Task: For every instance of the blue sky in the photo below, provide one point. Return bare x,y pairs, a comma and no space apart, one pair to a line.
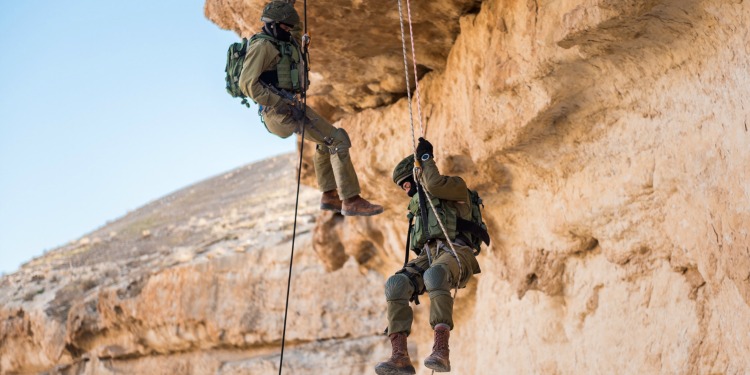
105,106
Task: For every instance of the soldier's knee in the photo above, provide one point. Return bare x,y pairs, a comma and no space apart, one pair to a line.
398,287
436,279
340,141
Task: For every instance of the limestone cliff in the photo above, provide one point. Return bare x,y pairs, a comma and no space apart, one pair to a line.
609,140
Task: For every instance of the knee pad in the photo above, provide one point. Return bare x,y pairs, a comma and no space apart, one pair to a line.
340,141
436,278
398,287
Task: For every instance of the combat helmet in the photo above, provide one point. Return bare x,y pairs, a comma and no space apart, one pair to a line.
403,170
280,11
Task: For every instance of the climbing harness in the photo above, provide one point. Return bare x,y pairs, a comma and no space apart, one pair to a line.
417,164
306,57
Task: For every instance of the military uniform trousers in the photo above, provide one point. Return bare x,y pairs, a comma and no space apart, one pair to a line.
437,279
333,164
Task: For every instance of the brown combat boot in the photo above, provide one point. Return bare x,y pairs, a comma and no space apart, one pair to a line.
399,363
330,201
439,360
358,206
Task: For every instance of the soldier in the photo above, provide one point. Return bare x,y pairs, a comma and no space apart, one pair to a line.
273,61
435,270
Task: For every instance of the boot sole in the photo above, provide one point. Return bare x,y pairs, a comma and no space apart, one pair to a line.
438,367
329,207
371,213
388,370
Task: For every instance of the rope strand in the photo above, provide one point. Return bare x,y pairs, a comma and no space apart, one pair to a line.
299,176
294,236
406,77
417,175
422,128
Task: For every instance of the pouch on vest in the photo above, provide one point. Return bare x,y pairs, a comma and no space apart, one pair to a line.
287,75
447,213
473,229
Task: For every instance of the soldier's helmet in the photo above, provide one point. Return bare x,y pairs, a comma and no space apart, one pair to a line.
403,170
280,11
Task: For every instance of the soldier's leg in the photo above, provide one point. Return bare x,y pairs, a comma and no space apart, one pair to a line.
337,142
444,274
285,125
398,290
277,123
335,169
323,169
437,280
441,278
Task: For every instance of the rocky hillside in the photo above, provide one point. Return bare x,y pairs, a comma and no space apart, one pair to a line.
193,283
609,140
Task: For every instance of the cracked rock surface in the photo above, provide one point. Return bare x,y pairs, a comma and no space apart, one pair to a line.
609,140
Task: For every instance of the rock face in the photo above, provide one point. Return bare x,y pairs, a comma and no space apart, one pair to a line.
609,140
356,57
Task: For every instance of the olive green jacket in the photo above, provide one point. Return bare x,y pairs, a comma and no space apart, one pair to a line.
450,197
451,188
261,56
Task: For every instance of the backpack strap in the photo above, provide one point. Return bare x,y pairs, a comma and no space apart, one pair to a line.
468,226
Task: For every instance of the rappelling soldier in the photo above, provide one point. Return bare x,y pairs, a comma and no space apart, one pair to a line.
274,67
436,269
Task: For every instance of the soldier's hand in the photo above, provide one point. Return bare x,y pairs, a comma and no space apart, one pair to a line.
289,109
283,109
424,147
297,113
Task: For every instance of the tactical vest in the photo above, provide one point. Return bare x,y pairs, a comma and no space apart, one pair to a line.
448,213
460,219
287,74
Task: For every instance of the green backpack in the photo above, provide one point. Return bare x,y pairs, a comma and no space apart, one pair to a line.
235,59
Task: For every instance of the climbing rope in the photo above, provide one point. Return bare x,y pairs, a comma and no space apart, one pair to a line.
416,77
417,164
306,56
406,77
417,169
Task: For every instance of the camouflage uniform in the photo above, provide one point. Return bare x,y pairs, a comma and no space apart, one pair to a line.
435,270
333,164
443,274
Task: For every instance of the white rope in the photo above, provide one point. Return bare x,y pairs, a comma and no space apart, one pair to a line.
406,76
417,174
416,77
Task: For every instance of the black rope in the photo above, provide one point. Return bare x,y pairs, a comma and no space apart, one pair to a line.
296,201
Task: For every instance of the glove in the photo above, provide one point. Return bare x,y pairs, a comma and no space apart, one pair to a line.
424,147
297,113
288,109
282,109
